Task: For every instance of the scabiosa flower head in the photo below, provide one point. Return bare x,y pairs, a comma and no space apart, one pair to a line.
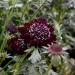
55,49
17,45
39,32
11,28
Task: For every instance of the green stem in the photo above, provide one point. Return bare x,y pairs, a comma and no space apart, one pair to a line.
9,14
6,65
46,73
18,64
5,39
4,42
17,69
36,12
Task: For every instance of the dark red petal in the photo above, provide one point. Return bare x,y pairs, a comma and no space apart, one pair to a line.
17,45
51,28
38,32
24,28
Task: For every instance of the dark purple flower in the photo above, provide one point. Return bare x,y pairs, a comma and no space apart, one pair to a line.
17,45
38,32
11,28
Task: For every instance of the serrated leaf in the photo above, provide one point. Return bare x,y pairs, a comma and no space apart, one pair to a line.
35,56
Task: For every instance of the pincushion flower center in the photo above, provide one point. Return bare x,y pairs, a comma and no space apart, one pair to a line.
20,43
39,31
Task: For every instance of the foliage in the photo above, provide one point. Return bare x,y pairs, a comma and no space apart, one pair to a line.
37,60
